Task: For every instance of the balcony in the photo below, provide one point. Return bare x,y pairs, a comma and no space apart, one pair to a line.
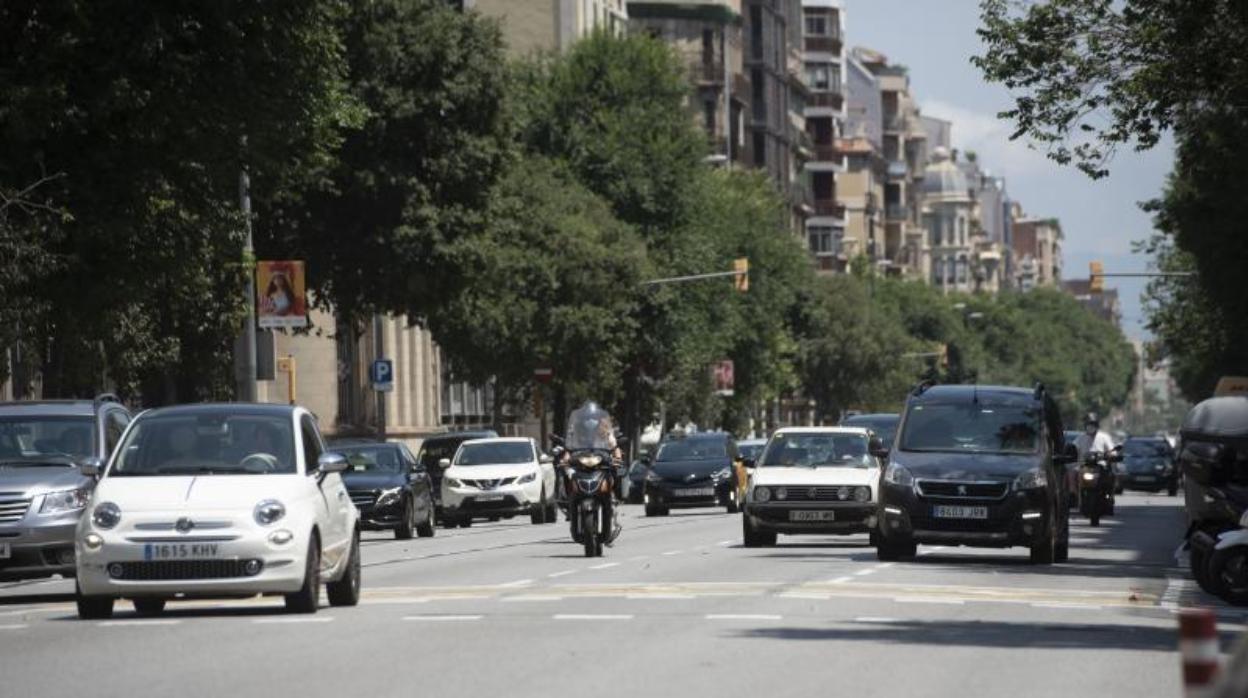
896,212
830,208
824,44
897,170
707,73
833,100
827,152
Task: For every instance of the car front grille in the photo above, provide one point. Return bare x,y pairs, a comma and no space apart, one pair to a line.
842,493
363,498
955,489
162,570
13,506
489,484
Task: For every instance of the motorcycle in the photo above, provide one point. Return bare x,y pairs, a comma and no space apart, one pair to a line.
590,474
1096,485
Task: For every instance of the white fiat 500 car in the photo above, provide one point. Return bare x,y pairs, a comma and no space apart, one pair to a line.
502,477
813,480
218,500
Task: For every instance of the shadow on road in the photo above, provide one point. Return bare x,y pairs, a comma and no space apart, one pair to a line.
19,599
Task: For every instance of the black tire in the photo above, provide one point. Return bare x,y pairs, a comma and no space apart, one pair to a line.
427,528
1094,519
1173,490
346,590
404,530
1062,552
652,510
93,607
308,598
148,606
1044,551
892,551
589,534
552,513
1227,572
749,534
465,522
538,516
1108,509
492,519
1199,561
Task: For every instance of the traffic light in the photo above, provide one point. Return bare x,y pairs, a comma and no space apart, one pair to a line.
943,359
1096,278
741,281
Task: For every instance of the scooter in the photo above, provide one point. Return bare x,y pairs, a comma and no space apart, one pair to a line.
1096,485
1219,559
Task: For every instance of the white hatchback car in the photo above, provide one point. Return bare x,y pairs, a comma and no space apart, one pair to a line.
500,477
813,480
218,500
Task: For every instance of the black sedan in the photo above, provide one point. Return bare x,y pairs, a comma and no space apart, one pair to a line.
882,424
1148,463
390,487
690,471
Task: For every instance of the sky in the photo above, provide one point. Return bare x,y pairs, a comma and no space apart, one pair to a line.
935,39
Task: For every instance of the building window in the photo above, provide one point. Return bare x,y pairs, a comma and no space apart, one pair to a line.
760,149
962,271
708,114
950,270
938,272
818,76
816,25
708,47
824,239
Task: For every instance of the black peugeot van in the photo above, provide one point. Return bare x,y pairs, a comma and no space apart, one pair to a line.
979,466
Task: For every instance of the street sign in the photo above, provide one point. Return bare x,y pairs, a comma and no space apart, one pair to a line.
543,375
724,378
381,374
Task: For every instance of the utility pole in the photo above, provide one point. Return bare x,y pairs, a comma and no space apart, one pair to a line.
247,387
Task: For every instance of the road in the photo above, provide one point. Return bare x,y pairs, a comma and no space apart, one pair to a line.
677,606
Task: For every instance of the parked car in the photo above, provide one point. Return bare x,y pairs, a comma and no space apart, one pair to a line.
980,466
1149,465
883,425
813,480
216,500
390,487
435,449
692,470
42,491
498,477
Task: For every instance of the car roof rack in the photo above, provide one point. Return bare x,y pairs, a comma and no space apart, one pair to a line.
922,387
105,397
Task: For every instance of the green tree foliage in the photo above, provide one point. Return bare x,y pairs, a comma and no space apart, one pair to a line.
139,113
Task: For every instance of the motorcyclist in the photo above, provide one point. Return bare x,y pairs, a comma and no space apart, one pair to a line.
1092,440
596,424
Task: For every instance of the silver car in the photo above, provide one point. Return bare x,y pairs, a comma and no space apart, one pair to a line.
42,492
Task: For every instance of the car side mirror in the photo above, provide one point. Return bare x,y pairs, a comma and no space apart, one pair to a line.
91,467
748,463
444,463
331,463
877,448
546,459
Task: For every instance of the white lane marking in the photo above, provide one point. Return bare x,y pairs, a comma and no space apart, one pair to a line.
14,626
743,616
647,597
593,616
885,566
605,565
1173,594
725,543
1079,606
283,621
25,611
561,574
673,552
880,620
442,618
861,573
841,580
804,595
531,598
928,599
136,623
517,583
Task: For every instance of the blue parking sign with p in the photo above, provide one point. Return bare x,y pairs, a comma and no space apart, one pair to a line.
382,375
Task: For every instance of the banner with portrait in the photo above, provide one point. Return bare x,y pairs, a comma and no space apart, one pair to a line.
281,294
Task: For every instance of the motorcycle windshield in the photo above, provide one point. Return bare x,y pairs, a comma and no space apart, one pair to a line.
590,429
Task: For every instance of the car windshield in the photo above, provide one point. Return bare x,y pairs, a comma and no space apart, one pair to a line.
816,450
379,458
212,443
495,453
884,427
1146,449
972,427
692,449
750,451
45,440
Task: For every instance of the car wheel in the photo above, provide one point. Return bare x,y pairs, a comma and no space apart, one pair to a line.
308,598
1199,562
404,529
538,516
732,502
652,510
1174,490
92,607
552,513
346,591
465,522
749,534
428,528
148,606
1044,551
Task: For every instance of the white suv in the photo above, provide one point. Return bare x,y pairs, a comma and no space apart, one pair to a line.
812,480
495,478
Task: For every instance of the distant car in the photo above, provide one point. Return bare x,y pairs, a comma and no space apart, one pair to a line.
883,425
691,471
435,449
498,477
1149,465
42,492
219,500
748,453
812,480
390,487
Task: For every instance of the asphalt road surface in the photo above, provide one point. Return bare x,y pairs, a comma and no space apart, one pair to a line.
678,607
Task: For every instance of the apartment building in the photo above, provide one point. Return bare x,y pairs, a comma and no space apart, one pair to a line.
544,25
823,71
860,188
1037,252
709,35
959,253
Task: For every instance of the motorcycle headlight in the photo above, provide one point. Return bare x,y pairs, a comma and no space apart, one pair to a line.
1088,475
388,497
897,474
1030,480
106,515
526,479
268,511
65,500
762,494
589,461
452,482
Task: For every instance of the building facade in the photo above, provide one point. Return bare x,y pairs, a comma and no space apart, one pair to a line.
823,71
545,25
1037,252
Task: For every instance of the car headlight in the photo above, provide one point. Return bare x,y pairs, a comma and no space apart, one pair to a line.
652,476
863,494
589,461
1030,480
526,479
897,474
389,496
721,474
106,515
65,500
1160,467
268,511
762,494
452,482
